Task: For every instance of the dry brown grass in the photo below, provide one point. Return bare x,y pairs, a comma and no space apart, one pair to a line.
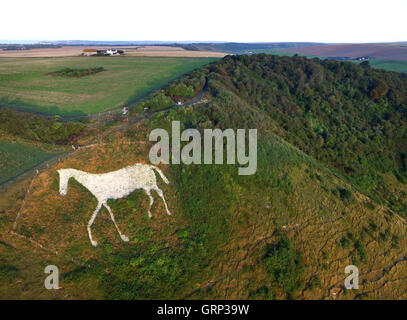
60,223
133,51
315,221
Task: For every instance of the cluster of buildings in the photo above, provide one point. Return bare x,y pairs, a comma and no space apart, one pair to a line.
364,58
101,52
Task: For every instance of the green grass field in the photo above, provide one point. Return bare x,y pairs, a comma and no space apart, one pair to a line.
399,66
16,158
25,85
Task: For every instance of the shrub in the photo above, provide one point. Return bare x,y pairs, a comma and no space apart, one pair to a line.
284,266
346,195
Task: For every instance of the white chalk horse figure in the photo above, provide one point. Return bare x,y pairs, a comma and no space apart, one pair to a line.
114,185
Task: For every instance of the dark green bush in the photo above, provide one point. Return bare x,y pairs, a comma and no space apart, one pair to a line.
284,266
76,73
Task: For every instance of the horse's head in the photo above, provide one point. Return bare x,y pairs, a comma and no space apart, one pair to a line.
63,181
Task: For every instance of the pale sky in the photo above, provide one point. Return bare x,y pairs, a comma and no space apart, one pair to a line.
205,20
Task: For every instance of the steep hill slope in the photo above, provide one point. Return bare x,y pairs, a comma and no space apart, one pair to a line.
288,231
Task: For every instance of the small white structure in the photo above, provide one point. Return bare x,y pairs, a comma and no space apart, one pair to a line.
114,185
125,111
93,52
111,52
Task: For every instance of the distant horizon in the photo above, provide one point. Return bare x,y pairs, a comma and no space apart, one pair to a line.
321,21
22,41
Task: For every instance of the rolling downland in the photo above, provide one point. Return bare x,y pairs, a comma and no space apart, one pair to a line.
329,191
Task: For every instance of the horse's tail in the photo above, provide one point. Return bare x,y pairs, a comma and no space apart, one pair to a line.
161,174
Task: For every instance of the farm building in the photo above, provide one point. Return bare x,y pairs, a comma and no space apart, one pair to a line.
92,52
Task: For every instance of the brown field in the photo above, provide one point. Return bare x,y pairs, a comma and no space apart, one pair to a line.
133,51
393,51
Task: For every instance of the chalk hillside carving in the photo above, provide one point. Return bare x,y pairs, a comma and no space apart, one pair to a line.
114,185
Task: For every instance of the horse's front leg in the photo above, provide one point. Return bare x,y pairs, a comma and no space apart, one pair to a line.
124,238
92,219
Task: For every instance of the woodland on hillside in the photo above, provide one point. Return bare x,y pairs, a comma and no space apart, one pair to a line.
351,117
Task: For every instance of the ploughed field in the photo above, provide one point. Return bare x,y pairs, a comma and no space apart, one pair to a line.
143,51
25,83
382,51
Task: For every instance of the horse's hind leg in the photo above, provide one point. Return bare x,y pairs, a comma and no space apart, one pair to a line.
160,193
92,219
151,201
124,238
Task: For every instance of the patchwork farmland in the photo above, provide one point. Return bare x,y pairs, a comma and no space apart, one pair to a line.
24,83
134,51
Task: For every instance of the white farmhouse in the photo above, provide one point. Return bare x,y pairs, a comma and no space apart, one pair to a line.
112,52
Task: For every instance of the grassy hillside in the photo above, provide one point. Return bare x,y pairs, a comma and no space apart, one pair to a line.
225,239
16,158
314,206
38,128
350,117
24,82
